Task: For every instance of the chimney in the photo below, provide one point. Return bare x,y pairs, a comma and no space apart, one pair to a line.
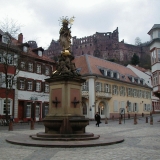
20,38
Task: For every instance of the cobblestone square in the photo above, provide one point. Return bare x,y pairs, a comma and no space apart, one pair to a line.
142,142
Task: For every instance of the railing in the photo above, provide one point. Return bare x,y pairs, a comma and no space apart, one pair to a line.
85,94
106,95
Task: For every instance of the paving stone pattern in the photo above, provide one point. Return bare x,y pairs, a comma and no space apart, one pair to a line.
142,142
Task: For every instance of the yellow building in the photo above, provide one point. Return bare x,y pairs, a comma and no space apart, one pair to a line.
111,88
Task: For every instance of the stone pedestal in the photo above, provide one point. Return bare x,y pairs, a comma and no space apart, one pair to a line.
65,108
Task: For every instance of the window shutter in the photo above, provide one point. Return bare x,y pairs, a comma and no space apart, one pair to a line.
109,88
42,86
26,84
33,110
117,90
143,107
25,109
137,107
35,67
18,83
43,69
34,85
113,89
43,110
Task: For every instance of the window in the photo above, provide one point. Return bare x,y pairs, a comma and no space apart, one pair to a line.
30,85
155,79
38,68
122,91
46,88
28,110
85,86
10,59
22,84
115,89
9,81
98,86
114,75
135,107
129,106
102,71
38,86
30,67
115,106
107,88
5,39
46,70
23,65
154,56
109,73
7,107
40,53
149,107
134,93
130,91
145,107
140,94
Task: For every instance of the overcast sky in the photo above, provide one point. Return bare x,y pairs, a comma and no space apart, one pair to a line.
39,18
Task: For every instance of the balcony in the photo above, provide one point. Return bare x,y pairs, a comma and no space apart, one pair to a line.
85,94
106,95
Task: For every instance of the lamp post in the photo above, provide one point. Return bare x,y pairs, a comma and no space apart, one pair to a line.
33,99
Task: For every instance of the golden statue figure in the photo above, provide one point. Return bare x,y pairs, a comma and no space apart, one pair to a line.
65,35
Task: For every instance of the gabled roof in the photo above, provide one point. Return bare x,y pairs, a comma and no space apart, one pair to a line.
91,65
139,68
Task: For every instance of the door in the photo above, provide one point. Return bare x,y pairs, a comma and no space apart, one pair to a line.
37,114
101,109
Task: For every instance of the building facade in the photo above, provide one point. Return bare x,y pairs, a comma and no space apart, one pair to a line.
30,98
155,62
147,76
110,87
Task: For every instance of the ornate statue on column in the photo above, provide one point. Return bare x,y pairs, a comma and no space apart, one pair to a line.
65,65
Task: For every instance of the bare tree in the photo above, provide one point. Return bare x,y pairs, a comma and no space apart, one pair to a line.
137,41
9,60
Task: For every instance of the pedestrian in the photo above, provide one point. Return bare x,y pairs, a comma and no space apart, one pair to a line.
98,119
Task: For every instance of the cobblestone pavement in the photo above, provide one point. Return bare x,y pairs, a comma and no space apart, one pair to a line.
142,142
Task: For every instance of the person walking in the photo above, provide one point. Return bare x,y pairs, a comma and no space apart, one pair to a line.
98,119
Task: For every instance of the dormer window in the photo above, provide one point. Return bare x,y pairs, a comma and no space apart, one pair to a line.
102,71
115,75
40,53
109,73
25,49
5,38
130,78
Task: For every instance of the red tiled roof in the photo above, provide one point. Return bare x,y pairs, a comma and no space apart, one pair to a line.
90,65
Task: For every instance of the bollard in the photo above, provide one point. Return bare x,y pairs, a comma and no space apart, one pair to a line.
106,121
120,120
10,126
32,125
146,119
135,119
128,116
151,120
